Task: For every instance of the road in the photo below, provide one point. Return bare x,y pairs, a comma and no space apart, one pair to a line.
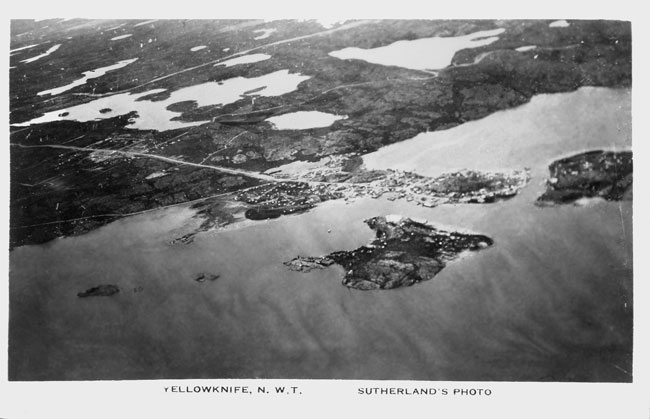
154,156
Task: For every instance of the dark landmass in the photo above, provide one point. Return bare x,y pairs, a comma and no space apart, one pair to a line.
204,276
99,291
603,174
102,188
404,253
343,177
58,192
281,198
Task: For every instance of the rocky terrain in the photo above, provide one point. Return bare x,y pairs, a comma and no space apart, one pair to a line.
68,177
603,174
404,253
345,177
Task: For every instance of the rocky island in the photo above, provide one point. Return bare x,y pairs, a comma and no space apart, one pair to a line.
99,291
404,253
593,174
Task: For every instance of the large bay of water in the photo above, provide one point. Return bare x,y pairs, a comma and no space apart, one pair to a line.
551,300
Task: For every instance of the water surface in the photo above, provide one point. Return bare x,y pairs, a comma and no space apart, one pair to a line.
420,54
244,59
531,135
13,51
551,300
265,33
45,54
304,120
526,48
558,24
145,23
87,75
155,115
117,38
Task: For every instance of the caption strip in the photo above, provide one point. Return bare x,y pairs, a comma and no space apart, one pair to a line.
365,391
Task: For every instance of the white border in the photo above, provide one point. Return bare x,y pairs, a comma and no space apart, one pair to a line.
323,398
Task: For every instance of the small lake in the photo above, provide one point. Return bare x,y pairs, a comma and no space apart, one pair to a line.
265,33
245,59
14,51
559,24
45,54
420,54
88,75
117,38
115,27
526,48
304,120
147,22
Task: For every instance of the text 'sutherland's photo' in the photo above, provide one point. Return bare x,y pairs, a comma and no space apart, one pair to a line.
427,200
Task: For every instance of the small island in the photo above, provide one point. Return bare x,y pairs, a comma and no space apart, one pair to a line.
603,174
404,253
99,291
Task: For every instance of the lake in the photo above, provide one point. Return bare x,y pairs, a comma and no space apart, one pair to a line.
304,120
420,54
39,56
156,115
244,59
550,301
87,75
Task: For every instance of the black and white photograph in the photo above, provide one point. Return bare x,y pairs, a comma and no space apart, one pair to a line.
235,200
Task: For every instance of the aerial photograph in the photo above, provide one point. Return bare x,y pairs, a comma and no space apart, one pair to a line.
378,199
